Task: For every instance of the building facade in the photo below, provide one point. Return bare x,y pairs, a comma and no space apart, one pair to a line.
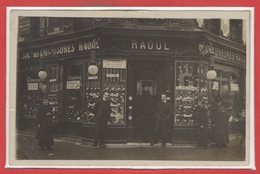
135,60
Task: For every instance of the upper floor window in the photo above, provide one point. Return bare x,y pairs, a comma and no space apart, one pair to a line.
58,25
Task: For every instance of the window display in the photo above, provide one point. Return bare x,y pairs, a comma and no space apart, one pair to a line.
73,91
92,92
55,73
191,86
32,94
114,82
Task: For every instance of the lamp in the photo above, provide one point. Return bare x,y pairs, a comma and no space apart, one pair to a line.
42,75
92,69
211,74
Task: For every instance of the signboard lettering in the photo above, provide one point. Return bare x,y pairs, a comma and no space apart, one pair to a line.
149,45
64,49
75,84
52,51
112,75
33,86
116,64
89,45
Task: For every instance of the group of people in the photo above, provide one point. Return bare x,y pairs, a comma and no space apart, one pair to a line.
218,115
219,122
164,111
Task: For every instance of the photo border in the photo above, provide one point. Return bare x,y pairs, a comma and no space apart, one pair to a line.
251,70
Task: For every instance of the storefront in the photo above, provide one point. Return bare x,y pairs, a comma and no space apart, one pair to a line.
135,67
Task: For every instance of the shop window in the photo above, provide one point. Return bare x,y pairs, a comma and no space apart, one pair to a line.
73,90
114,82
228,87
92,92
191,86
31,95
55,75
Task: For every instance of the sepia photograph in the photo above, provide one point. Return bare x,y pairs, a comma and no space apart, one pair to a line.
125,88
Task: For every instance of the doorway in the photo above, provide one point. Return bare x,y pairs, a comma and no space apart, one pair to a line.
150,80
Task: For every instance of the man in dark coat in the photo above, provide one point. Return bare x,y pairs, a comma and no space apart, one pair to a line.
102,111
201,118
163,114
44,120
220,124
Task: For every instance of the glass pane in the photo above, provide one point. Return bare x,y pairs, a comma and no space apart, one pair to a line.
92,92
187,91
73,85
114,82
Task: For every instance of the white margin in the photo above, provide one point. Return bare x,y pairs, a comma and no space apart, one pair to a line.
252,90
252,101
7,69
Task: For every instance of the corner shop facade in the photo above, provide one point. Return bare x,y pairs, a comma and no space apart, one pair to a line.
135,67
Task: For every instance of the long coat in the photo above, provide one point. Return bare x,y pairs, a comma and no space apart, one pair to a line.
163,115
220,120
45,133
102,111
201,118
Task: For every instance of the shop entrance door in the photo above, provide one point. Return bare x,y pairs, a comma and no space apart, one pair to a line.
150,81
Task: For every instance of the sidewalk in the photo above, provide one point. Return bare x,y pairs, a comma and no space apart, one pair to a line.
74,149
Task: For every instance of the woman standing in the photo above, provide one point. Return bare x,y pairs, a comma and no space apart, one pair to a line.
45,135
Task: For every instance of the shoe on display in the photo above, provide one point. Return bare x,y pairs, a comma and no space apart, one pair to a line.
103,146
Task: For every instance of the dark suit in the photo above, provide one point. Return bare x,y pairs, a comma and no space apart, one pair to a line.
102,111
201,117
45,134
163,115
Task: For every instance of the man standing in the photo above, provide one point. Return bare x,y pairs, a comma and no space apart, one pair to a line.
163,114
201,117
102,111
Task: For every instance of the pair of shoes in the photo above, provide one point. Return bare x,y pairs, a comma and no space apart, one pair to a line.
48,148
103,146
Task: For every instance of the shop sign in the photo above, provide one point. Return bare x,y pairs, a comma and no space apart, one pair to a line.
63,49
74,84
55,51
89,45
115,64
28,79
53,80
33,86
92,77
215,86
157,45
74,77
112,75
234,87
